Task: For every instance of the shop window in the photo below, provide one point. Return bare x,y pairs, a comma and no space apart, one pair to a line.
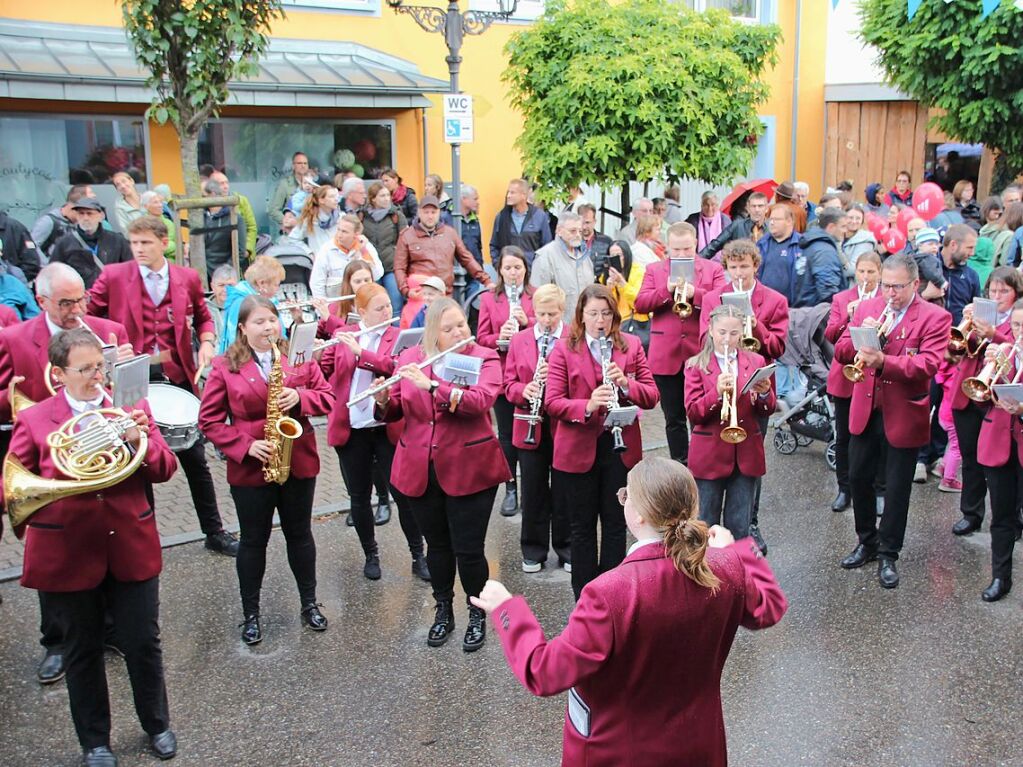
525,10
746,10
367,6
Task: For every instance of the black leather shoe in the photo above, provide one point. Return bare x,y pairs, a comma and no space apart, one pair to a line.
879,502
51,669
476,631
859,557
841,502
164,744
510,504
383,514
372,567
350,521
420,568
999,588
887,573
965,526
758,539
443,624
223,543
101,756
313,618
252,632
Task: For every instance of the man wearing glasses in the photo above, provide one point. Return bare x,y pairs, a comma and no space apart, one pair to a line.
61,294
890,408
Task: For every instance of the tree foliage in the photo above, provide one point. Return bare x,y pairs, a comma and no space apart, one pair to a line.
948,57
637,90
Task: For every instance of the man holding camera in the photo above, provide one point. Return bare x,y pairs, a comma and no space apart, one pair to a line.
563,262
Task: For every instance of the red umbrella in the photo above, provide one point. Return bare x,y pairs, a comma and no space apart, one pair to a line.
762,185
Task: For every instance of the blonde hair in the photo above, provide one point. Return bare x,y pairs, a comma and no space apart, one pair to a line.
431,326
702,359
666,498
264,268
647,225
550,294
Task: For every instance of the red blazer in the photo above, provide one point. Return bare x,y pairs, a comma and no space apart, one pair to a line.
571,379
462,446
646,707
710,457
494,312
241,397
338,365
838,321
24,352
117,295
521,362
911,358
8,316
770,308
673,341
72,544
970,366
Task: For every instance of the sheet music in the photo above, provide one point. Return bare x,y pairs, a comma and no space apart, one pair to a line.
130,381
406,340
864,338
1013,391
985,310
759,375
682,270
300,345
739,300
461,369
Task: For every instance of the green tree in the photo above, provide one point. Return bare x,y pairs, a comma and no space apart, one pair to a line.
968,68
639,90
192,49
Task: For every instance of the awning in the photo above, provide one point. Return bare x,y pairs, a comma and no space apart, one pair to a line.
66,62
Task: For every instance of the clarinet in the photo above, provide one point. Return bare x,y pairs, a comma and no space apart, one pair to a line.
605,364
536,404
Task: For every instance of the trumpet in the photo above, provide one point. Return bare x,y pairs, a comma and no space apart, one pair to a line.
959,338
749,342
733,434
374,390
979,387
536,405
855,372
681,305
335,341
287,306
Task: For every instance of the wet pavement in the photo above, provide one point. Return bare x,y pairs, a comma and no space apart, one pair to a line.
923,675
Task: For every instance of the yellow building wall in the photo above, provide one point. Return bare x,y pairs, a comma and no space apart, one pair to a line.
491,160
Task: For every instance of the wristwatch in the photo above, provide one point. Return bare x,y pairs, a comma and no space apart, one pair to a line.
434,385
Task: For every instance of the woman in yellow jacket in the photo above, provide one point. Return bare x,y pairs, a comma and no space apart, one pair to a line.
626,281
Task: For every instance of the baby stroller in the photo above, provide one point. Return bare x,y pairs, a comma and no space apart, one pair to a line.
811,418
297,260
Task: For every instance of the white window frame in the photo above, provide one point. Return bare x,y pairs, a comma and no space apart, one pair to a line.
758,11
357,6
526,11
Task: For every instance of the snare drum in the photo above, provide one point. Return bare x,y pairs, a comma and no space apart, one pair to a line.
176,413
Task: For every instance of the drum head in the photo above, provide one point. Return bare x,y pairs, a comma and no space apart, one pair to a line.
172,406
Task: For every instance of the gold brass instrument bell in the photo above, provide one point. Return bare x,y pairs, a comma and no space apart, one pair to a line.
681,305
854,372
959,338
979,387
733,434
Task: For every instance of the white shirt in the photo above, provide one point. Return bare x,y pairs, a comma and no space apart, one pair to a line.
727,366
163,274
641,543
264,360
361,413
54,328
593,345
555,335
78,406
901,314
331,261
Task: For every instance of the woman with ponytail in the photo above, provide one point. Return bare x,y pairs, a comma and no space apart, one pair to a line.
629,694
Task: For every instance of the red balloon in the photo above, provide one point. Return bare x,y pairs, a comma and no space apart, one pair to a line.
893,240
902,220
876,225
928,200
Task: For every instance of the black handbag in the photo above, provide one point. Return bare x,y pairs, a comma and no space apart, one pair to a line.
640,329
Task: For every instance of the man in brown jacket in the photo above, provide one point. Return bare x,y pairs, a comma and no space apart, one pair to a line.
430,247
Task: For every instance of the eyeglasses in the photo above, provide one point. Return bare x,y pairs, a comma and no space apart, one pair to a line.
604,315
70,303
623,495
88,371
894,286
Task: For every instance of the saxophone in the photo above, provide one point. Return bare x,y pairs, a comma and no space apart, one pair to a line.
280,430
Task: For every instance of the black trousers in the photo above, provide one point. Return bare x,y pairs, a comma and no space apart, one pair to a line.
367,451
842,405
255,506
545,522
592,496
1006,486
865,452
504,414
136,610
968,422
676,431
754,519
455,527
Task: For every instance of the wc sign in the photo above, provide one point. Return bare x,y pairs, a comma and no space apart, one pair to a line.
457,118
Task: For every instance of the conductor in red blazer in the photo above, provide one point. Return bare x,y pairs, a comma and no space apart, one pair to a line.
673,340
587,471
632,702
233,417
891,407
498,322
1004,285
545,524
98,551
448,461
362,441
24,355
160,304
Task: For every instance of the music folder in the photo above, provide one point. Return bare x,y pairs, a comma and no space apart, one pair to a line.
739,300
461,369
985,310
682,270
300,345
759,375
130,381
864,338
1012,391
621,416
406,340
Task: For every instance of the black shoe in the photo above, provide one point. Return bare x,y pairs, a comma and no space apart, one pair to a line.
887,573
758,539
841,502
252,633
51,668
383,514
420,568
510,504
350,521
372,567
164,744
965,526
859,557
476,631
101,756
313,618
443,624
223,543
879,502
999,588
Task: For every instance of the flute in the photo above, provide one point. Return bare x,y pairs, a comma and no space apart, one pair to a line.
285,306
356,334
373,390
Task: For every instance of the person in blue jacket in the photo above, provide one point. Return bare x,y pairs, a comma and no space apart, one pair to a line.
779,252
820,266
